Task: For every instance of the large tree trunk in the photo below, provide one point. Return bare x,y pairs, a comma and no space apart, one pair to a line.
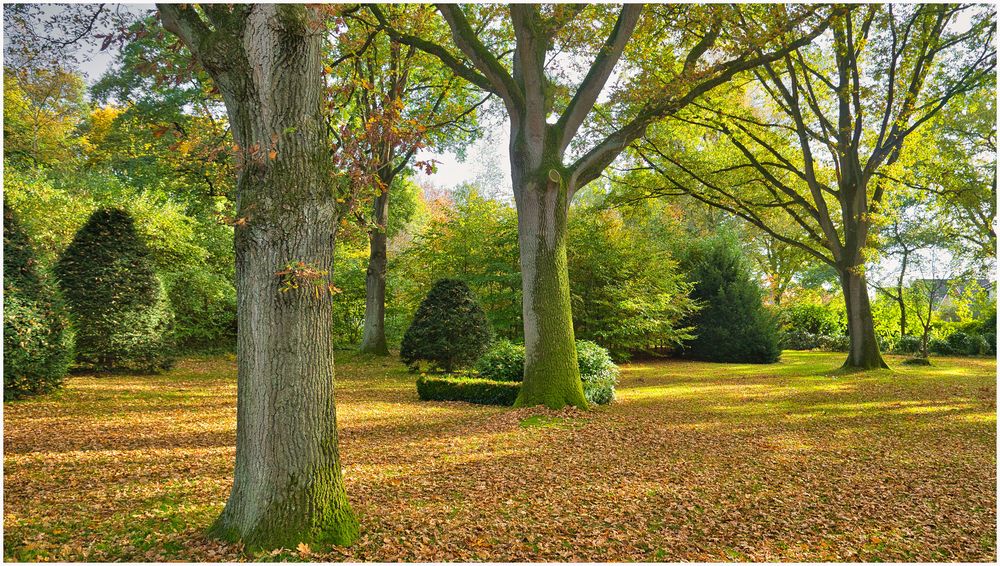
863,352
287,485
373,338
551,373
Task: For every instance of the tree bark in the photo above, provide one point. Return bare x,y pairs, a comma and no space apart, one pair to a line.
266,60
551,373
373,339
863,352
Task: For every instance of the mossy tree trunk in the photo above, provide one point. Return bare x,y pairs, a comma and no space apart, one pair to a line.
266,60
863,352
551,373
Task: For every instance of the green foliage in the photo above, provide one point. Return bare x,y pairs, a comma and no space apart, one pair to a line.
967,344
598,372
939,346
204,305
627,292
733,325
503,362
449,329
480,391
813,318
38,343
908,344
118,305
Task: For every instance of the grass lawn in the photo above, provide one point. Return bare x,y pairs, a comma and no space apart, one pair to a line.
695,461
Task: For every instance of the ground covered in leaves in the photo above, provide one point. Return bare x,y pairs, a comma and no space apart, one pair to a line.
695,461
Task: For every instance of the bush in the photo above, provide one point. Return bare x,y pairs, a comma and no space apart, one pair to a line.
798,340
813,318
967,344
204,305
449,329
37,339
733,324
599,374
480,391
940,347
503,362
118,305
908,344
835,343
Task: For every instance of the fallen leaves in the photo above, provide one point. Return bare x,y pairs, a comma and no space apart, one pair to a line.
695,461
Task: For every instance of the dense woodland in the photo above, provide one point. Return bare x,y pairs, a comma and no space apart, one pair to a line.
704,182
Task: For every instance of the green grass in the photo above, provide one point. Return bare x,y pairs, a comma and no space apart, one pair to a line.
695,461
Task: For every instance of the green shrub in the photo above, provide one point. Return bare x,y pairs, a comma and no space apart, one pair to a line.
118,305
37,339
799,340
967,344
940,347
204,305
813,318
908,344
480,391
733,325
449,329
502,362
835,343
599,374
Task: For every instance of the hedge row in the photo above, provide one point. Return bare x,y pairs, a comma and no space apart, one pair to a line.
480,391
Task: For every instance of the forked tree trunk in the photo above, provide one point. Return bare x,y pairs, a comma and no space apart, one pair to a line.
287,485
863,352
551,373
373,339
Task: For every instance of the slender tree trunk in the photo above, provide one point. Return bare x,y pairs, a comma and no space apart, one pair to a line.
373,339
551,373
864,352
287,485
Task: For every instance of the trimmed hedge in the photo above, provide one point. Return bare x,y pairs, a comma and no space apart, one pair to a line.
479,391
37,338
118,305
599,374
449,330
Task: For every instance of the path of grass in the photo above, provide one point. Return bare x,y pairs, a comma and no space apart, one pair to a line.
694,462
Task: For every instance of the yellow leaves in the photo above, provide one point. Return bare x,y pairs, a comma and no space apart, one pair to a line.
697,462
272,155
303,549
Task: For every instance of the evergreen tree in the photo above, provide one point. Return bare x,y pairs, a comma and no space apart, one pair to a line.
733,325
449,330
118,304
38,343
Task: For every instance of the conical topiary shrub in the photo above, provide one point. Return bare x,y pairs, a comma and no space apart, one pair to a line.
118,305
733,324
37,340
449,330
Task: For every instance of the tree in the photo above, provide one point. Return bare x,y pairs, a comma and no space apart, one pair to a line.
956,165
824,127
547,115
910,230
449,329
396,101
267,62
118,305
38,342
733,325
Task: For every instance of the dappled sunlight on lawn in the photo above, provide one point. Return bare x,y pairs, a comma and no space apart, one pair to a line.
695,461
